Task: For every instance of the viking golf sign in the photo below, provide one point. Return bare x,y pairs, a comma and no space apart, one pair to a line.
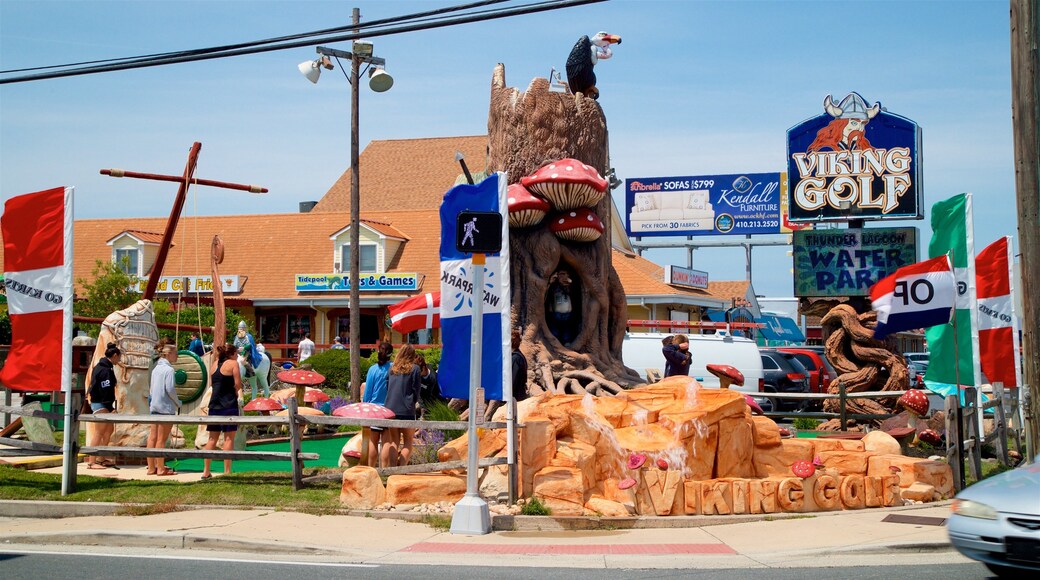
854,161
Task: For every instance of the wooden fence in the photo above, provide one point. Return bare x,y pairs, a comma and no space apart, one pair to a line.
293,420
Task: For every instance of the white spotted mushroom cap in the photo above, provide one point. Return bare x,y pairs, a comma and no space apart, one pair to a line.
579,225
567,184
525,208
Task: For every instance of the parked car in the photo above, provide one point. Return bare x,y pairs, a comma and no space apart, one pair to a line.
821,373
784,374
642,350
997,521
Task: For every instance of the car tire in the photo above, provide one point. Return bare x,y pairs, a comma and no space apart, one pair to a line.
1006,571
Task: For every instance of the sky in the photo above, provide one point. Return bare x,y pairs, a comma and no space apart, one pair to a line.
695,88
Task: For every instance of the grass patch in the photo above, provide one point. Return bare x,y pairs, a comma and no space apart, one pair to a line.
437,521
251,489
535,507
149,509
793,517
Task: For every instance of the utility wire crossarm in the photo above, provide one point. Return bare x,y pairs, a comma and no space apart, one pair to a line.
178,205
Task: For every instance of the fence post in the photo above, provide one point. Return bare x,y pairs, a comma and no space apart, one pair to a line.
294,446
1000,423
971,425
954,445
842,409
513,454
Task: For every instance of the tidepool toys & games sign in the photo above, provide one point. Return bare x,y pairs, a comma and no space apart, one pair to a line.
744,203
406,282
854,162
847,262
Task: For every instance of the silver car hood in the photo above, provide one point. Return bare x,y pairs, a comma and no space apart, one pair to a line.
1015,491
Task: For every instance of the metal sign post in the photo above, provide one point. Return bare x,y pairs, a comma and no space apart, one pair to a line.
471,514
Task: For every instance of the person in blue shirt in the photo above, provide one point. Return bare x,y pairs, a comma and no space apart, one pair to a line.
375,392
677,356
337,344
195,345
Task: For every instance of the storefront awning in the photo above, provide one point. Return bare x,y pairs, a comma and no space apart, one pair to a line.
780,328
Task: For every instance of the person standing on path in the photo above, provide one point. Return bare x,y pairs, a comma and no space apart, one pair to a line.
196,346
162,400
375,393
677,356
306,348
102,395
337,344
403,391
223,402
519,369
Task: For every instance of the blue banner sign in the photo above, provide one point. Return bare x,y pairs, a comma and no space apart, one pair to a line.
847,262
853,162
396,282
740,203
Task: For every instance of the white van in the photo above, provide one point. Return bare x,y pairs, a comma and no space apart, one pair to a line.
642,350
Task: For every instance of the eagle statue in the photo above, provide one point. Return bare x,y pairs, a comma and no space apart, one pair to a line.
583,57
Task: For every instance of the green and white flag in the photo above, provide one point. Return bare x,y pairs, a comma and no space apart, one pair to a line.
951,359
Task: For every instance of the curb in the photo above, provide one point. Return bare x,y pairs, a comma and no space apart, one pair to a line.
163,540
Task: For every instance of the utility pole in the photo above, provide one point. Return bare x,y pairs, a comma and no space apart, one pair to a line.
355,227
1024,89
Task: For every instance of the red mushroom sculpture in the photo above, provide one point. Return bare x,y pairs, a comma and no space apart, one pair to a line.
931,437
525,208
301,379
567,184
728,375
315,396
364,411
803,468
263,405
580,225
916,404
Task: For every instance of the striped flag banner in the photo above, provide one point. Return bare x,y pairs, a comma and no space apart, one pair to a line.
998,339
915,296
37,230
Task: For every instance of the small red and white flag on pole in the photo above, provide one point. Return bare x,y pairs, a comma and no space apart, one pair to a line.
37,230
915,296
997,337
416,313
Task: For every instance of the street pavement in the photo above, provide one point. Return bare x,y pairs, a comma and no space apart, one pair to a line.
835,538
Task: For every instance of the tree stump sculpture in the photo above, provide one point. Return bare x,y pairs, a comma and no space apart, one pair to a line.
528,130
864,363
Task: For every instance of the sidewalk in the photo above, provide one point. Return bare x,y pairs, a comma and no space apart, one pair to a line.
821,540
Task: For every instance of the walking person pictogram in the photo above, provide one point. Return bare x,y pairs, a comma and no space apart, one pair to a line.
469,229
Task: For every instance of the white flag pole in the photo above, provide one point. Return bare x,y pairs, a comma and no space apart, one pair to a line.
70,440
973,302
1022,417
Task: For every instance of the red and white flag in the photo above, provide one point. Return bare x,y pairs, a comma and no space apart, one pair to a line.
915,296
998,340
37,230
416,313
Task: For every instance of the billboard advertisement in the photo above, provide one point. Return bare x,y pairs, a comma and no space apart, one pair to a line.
686,277
847,262
739,203
854,161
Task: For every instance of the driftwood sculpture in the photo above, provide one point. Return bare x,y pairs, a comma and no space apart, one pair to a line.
528,131
863,364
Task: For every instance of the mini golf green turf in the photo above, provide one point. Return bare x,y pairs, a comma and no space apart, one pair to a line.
327,449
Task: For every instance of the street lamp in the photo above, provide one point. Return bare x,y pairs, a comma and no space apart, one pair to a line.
379,81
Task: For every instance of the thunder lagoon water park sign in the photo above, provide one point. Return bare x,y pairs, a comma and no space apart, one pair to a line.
848,262
854,162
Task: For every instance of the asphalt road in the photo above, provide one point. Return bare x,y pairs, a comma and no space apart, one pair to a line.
86,566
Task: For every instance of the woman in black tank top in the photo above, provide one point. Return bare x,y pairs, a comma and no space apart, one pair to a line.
227,388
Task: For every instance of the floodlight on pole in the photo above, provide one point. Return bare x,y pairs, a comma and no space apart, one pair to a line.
380,81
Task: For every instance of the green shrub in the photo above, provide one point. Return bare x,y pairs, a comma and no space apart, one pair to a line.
806,423
440,411
431,355
535,507
334,365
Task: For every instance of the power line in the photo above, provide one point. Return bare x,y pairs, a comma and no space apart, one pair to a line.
363,26
266,46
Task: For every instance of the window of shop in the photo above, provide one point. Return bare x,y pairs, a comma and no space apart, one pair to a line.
126,258
285,328
343,328
367,258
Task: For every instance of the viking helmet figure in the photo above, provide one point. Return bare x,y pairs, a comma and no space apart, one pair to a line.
852,106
